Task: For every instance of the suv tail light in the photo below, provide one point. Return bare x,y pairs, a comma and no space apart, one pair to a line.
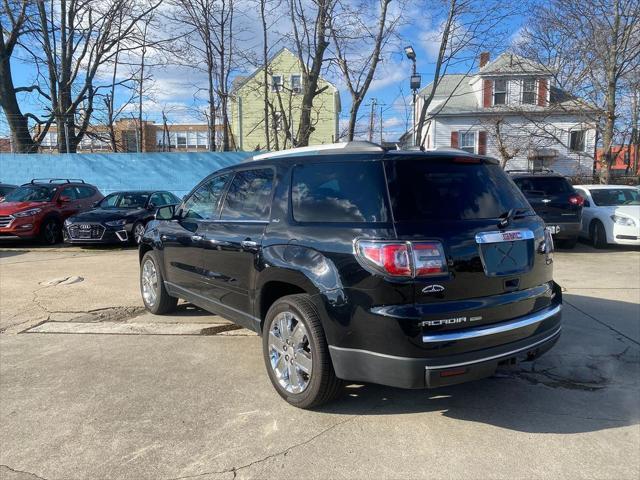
402,259
576,200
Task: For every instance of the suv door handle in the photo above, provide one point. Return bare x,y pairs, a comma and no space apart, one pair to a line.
249,244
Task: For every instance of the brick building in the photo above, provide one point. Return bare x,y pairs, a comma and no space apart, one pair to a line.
177,137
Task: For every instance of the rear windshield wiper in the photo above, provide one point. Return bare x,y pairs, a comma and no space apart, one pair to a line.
513,214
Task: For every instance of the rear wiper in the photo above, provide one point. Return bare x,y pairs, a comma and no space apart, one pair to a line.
514,213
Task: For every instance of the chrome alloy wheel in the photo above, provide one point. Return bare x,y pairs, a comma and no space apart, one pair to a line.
290,352
149,282
138,232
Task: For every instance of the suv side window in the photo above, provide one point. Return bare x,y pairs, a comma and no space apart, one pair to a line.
85,192
204,203
249,196
169,199
69,192
157,199
339,192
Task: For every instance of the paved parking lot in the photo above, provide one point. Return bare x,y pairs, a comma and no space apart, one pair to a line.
118,393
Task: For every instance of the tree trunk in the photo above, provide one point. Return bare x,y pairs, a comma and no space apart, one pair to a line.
265,64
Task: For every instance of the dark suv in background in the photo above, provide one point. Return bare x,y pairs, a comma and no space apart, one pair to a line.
407,269
555,201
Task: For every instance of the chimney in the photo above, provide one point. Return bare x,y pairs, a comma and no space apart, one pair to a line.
484,59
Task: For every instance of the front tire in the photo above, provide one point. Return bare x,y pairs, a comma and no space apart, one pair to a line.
598,235
50,231
296,353
154,294
137,232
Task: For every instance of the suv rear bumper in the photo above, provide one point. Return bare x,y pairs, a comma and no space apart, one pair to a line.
406,372
566,230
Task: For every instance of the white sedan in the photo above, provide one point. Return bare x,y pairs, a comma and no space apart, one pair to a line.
611,214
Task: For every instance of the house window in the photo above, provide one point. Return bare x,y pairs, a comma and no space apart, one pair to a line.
468,142
191,140
181,139
500,92
529,91
296,83
276,83
577,140
202,139
278,124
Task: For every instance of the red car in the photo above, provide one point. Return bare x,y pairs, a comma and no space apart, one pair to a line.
39,208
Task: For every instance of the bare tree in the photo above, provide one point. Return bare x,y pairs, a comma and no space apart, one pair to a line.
14,25
77,38
310,24
358,47
212,40
467,27
599,45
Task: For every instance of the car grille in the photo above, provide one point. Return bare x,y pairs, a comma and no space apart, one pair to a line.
85,231
5,220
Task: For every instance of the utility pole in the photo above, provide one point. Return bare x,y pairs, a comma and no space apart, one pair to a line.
381,105
374,102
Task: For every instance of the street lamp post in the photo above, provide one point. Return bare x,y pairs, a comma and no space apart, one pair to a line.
414,84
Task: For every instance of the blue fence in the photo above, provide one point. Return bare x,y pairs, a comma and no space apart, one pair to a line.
110,172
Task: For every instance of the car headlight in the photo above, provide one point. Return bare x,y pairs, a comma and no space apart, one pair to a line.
626,221
67,222
27,213
117,223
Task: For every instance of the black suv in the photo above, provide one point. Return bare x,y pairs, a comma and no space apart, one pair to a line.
555,201
407,269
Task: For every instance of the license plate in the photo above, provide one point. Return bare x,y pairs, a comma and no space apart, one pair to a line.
554,228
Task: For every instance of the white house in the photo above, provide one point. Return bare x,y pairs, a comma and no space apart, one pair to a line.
511,110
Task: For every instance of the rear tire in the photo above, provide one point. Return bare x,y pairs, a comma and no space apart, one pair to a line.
598,235
154,294
287,352
50,231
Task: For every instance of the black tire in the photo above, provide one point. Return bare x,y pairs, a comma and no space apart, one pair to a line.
598,235
134,238
568,243
50,231
323,385
162,302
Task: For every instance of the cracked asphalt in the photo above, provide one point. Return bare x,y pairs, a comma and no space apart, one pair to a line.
89,406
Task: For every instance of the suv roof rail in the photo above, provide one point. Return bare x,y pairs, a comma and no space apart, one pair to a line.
541,170
450,149
57,180
342,147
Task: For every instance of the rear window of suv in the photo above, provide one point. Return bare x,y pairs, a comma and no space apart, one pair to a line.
432,189
349,192
544,185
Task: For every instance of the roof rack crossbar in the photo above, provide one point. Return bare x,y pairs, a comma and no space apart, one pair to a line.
57,180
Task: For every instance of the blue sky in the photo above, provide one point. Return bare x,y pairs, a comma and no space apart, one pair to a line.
175,87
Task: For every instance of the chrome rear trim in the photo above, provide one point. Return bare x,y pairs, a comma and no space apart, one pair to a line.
493,329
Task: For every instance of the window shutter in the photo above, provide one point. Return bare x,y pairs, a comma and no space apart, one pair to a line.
482,143
487,92
543,89
454,139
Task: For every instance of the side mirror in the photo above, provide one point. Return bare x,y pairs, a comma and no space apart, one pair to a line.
166,212
151,206
64,199
586,204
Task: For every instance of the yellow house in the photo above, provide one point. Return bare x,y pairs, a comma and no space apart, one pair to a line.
285,90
